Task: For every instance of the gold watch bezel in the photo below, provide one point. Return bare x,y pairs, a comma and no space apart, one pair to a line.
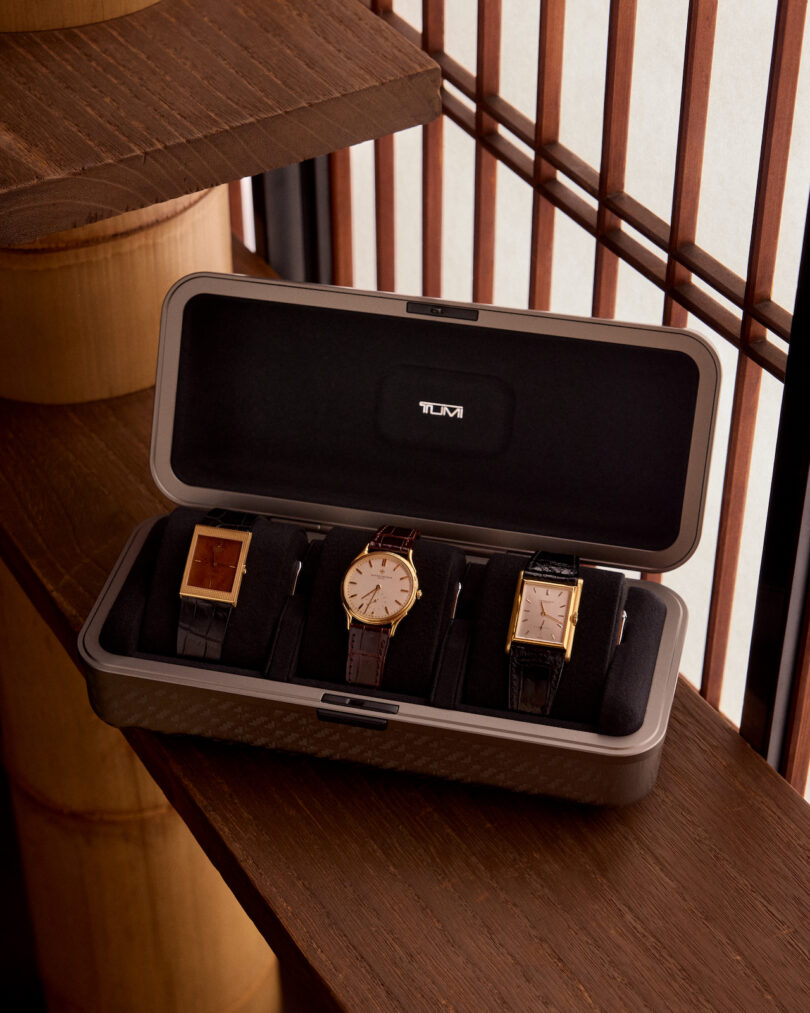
395,618
571,616
188,590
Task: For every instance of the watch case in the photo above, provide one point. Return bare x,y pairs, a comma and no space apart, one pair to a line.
330,412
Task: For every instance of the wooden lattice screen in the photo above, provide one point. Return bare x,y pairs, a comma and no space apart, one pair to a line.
679,260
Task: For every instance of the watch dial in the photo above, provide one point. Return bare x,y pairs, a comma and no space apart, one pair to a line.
214,563
543,613
378,587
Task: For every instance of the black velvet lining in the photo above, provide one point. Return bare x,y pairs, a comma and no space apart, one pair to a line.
583,440
627,684
274,550
283,661
413,650
121,630
449,663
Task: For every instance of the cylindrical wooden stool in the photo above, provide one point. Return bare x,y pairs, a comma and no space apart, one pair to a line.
81,308
128,913
36,15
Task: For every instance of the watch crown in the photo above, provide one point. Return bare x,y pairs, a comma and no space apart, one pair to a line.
418,594
574,618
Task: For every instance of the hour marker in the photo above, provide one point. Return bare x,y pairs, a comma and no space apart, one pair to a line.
397,602
358,571
384,562
386,609
352,581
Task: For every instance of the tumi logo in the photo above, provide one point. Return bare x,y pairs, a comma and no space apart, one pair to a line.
451,411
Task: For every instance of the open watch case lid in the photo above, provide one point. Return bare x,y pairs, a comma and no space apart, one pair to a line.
494,428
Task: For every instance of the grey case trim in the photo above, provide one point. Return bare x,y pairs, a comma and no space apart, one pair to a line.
475,539
583,766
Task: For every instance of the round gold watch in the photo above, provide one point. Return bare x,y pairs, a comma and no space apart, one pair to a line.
378,591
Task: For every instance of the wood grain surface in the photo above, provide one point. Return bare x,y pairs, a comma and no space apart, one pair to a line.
187,94
385,891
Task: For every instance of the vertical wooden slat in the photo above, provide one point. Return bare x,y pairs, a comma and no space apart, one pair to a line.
773,161
432,150
486,83
776,131
618,78
732,515
340,199
236,209
547,131
384,207
384,194
697,71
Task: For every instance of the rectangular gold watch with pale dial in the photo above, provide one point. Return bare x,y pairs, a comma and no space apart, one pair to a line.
544,612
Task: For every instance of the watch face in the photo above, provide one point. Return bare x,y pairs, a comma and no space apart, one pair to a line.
215,564
379,588
545,613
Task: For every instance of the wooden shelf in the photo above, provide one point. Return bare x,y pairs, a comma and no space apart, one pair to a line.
187,94
385,891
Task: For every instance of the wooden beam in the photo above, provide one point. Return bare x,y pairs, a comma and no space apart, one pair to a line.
187,94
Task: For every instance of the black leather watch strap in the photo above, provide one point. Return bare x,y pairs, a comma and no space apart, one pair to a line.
202,625
236,520
534,675
548,566
201,628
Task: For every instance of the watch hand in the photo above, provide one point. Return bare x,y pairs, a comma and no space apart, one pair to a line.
372,591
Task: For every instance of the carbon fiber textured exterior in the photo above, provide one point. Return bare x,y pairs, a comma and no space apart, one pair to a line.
526,767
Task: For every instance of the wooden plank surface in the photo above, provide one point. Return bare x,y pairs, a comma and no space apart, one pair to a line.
385,891
186,94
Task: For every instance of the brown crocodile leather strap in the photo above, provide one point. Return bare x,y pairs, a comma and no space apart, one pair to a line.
368,646
391,539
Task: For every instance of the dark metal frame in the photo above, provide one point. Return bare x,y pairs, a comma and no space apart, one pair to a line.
777,667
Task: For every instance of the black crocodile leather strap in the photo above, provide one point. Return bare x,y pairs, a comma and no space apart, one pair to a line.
236,520
534,675
547,566
202,625
535,670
